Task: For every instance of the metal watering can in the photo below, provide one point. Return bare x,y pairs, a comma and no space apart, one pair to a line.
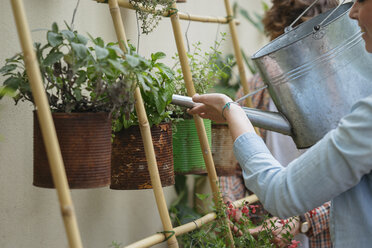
315,72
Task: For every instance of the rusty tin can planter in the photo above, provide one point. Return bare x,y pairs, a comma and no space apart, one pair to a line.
222,150
129,169
187,154
85,142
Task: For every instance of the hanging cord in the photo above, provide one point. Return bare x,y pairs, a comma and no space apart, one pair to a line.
138,33
73,15
172,233
186,34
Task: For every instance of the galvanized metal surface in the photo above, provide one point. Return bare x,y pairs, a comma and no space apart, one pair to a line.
313,77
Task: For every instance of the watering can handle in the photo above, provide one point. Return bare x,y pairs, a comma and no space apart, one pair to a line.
317,27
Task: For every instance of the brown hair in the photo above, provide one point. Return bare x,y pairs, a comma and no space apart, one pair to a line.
284,12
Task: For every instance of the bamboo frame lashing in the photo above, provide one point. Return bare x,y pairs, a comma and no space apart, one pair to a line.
183,16
188,227
146,137
47,126
207,154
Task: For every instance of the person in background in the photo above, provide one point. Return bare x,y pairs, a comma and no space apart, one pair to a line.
276,19
338,167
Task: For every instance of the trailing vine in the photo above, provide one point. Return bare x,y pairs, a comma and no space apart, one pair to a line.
150,12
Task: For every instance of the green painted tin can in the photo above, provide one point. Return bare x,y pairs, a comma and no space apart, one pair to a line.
187,154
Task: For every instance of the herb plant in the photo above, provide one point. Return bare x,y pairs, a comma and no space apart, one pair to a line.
214,234
77,76
206,69
150,12
156,82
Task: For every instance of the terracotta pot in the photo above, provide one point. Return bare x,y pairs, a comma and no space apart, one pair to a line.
187,154
222,150
85,142
129,166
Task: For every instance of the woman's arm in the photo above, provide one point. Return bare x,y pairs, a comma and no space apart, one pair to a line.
332,166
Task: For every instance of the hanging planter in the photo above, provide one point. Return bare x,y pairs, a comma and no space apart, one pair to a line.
84,79
85,142
222,150
187,154
128,164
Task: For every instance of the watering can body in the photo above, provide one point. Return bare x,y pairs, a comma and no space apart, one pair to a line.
314,77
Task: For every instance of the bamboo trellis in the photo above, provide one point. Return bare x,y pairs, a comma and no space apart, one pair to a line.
183,16
51,141
146,136
47,126
188,227
175,16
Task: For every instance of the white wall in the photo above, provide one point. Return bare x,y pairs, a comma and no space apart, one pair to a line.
30,216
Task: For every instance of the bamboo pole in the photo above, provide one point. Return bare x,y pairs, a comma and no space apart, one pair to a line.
188,227
207,155
146,137
237,52
47,126
183,16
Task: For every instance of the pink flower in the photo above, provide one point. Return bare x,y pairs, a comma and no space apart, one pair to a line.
245,211
294,244
253,207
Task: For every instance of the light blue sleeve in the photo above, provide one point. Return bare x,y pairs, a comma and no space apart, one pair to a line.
332,166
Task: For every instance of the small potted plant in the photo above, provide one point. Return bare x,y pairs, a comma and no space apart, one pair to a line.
150,12
86,83
187,154
129,166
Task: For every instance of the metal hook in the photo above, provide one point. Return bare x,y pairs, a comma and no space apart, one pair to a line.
317,27
290,27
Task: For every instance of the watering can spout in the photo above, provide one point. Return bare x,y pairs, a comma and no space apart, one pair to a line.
272,121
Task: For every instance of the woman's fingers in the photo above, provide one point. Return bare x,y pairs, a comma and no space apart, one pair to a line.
199,108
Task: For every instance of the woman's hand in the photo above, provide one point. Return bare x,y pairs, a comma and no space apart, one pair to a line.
213,107
209,106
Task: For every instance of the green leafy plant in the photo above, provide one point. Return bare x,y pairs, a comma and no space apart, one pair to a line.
254,18
206,70
213,234
156,82
230,84
79,74
150,12
115,244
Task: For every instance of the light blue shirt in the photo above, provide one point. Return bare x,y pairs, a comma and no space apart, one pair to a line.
337,168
